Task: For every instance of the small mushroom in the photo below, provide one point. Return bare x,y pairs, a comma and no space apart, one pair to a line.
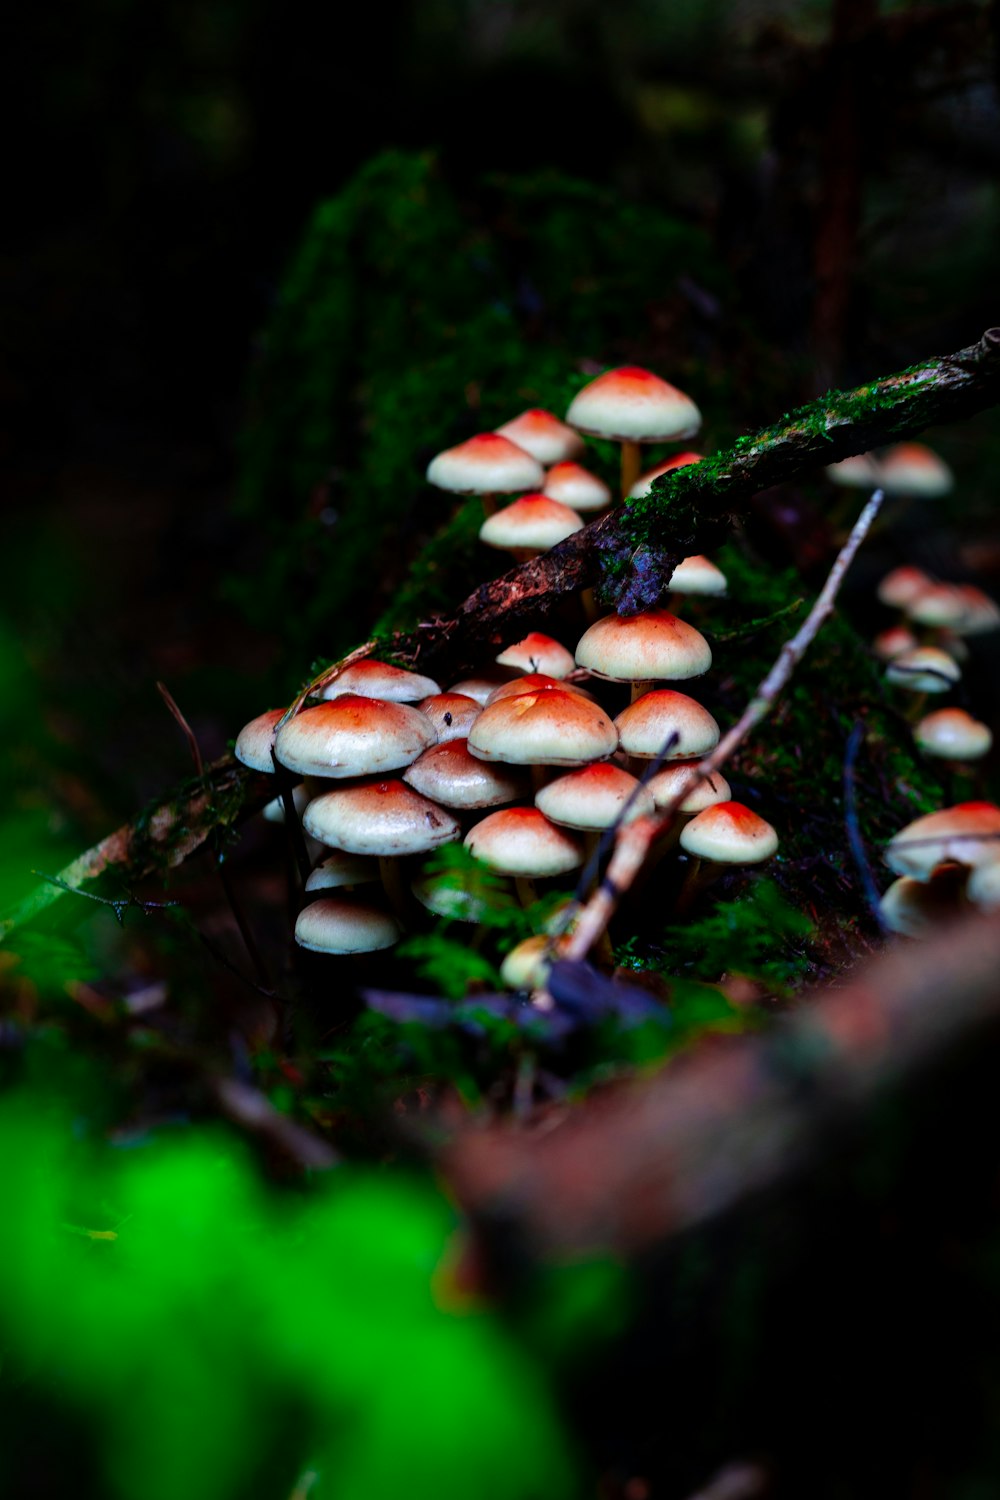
377,679
576,487
952,734
966,834
644,483
726,834
643,649
344,924
486,465
542,435
531,525
538,653
633,406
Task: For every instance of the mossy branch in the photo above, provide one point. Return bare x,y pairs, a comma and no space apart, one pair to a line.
628,554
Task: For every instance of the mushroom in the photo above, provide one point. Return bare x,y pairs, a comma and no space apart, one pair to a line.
915,471
891,643
643,648
520,841
542,435
591,800
528,965
452,714
343,924
449,775
644,727
902,585
538,653
726,834
369,678
552,727
342,869
255,741
966,834
697,575
707,793
481,686
353,736
937,604
859,472
576,487
633,406
486,465
952,734
531,525
983,889
910,907
536,682
924,670
644,483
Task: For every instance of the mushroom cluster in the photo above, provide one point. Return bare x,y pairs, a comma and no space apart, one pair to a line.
943,862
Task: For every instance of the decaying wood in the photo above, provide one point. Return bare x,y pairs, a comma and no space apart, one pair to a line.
629,554
629,1169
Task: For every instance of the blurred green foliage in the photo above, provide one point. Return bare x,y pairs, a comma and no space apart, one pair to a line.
220,1339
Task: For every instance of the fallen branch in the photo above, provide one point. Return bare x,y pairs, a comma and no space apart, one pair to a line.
635,839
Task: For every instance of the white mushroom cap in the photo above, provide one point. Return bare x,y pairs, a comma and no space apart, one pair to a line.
982,614
953,734
377,679
256,740
452,714
534,522
538,653
910,907
645,647
914,469
344,924
666,783
383,818
536,682
697,575
454,778
548,728
893,642
353,736
729,833
481,686
341,868
901,585
859,472
646,724
937,604
967,834
522,841
644,483
487,464
542,435
983,888
631,404
274,812
925,670
577,487
592,798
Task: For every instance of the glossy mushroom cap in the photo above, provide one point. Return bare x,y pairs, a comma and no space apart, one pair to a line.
480,687
487,464
341,868
697,575
631,404
552,727
644,483
522,841
593,797
353,736
454,778
256,740
646,724
344,924
952,734
667,783
452,714
914,469
968,834
535,682
538,653
729,833
646,647
925,670
901,585
576,487
377,679
542,435
859,472
383,818
534,522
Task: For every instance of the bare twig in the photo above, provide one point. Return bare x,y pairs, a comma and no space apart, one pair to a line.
852,823
635,839
186,730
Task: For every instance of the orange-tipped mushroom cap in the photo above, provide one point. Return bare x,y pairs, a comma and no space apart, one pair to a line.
452,714
382,818
937,604
256,740
901,585
968,834
643,648
645,725
592,797
377,679
344,924
697,575
450,775
914,469
535,522
542,435
522,841
548,728
893,642
925,670
859,472
353,736
952,734
535,682
538,653
631,404
644,483
667,783
487,464
576,487
729,833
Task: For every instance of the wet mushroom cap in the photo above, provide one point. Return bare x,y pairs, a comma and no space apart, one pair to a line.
697,575
729,833
522,841
353,736
631,404
552,727
644,483
576,487
953,734
256,740
487,464
645,647
592,798
341,868
377,679
667,783
901,585
534,521
452,714
925,670
538,653
542,435
645,725
536,682
914,469
451,776
382,817
481,686
344,924
967,834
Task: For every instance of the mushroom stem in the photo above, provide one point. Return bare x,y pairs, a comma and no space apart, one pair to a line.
589,601
526,893
394,886
287,783
539,778
491,504
631,465
913,712
638,688
700,876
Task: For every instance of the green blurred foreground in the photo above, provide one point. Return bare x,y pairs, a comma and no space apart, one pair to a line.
172,1327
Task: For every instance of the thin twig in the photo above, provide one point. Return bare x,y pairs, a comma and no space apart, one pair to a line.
635,839
186,730
852,823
